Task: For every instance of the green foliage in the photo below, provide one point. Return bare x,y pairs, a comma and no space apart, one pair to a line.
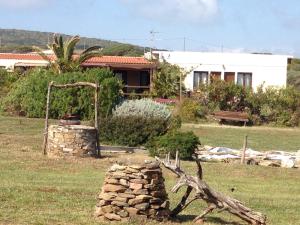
293,74
28,94
190,110
277,106
6,81
183,142
129,130
135,122
225,95
143,107
64,54
166,80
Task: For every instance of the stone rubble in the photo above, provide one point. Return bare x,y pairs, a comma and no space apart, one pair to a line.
133,191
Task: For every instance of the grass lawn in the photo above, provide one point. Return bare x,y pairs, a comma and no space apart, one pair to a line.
259,138
38,190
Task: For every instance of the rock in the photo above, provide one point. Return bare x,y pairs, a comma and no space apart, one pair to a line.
141,192
139,181
142,206
107,209
121,204
137,167
113,188
120,199
116,167
111,181
125,195
112,216
107,196
153,165
124,182
123,213
135,186
99,212
135,201
132,211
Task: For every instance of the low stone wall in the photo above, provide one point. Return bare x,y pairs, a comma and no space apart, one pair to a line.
133,191
71,140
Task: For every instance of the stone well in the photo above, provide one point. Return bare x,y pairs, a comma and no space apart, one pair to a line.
71,140
133,191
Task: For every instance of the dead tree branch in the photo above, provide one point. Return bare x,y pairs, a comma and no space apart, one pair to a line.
214,199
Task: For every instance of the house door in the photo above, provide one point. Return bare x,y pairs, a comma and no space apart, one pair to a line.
215,76
229,76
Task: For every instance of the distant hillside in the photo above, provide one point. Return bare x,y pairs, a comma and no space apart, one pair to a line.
12,40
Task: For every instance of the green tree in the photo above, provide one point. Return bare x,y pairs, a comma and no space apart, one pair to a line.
293,74
65,60
167,80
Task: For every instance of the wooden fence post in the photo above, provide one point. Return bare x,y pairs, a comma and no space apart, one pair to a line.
46,120
97,119
244,150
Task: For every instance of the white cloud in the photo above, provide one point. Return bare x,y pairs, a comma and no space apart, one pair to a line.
188,10
22,3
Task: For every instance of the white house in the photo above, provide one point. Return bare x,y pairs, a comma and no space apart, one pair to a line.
245,69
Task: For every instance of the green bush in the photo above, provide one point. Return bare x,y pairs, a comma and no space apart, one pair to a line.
183,142
6,81
143,107
191,109
29,94
131,130
277,106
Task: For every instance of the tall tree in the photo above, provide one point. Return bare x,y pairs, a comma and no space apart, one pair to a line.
65,59
168,80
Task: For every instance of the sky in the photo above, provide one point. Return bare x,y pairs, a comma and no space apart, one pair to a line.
193,25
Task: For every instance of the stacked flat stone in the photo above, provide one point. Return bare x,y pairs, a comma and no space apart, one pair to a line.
133,191
71,140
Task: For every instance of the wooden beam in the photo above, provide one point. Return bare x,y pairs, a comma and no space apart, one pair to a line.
97,119
47,118
78,84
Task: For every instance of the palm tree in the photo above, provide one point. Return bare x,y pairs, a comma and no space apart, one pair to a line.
65,60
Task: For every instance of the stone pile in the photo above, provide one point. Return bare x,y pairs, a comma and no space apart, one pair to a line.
71,140
133,191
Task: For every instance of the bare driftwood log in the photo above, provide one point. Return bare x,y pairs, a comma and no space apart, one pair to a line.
214,199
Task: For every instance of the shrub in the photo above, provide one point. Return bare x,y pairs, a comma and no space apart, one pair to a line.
143,108
192,109
183,142
131,130
6,81
166,82
29,94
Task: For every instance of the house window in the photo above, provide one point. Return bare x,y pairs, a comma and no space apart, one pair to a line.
229,76
200,77
122,75
244,79
144,78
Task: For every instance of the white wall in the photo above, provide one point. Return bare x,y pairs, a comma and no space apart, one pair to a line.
9,64
268,69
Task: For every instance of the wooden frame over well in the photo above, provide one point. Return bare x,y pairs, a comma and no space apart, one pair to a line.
78,84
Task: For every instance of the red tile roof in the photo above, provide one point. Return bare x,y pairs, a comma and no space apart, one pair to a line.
93,61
